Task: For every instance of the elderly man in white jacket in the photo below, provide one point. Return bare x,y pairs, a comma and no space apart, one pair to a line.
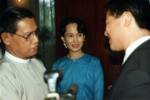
21,75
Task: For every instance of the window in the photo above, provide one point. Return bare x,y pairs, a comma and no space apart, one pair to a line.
47,34
47,14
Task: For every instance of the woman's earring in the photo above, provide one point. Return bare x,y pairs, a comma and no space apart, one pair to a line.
65,45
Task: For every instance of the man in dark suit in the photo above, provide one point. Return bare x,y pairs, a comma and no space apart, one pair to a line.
128,29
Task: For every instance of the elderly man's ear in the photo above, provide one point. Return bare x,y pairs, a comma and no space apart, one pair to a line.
5,37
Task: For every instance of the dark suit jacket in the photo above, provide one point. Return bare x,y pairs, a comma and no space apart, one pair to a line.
134,80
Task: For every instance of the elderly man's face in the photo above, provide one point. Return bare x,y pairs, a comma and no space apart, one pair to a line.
24,43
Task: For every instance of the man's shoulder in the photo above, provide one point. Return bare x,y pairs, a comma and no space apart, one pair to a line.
6,69
144,45
38,63
4,65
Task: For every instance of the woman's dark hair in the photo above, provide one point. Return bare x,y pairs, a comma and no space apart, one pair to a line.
80,25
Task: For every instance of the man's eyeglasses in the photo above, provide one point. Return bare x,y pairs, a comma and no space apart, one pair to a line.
29,36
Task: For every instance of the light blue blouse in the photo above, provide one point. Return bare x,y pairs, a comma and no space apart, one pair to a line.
86,72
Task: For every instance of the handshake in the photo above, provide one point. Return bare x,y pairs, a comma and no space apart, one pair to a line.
52,80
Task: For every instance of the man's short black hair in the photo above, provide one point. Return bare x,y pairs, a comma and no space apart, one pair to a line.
140,9
10,17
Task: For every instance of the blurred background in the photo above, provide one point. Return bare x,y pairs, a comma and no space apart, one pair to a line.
50,13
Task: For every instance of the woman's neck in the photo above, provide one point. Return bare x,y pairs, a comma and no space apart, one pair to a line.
75,55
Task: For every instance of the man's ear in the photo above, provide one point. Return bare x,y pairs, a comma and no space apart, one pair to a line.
128,18
6,38
62,38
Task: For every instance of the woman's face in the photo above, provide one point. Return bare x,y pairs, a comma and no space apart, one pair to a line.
72,38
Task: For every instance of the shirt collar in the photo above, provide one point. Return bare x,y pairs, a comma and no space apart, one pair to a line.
11,57
134,45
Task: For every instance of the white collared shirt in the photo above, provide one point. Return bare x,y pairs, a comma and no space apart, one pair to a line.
21,79
14,58
134,45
